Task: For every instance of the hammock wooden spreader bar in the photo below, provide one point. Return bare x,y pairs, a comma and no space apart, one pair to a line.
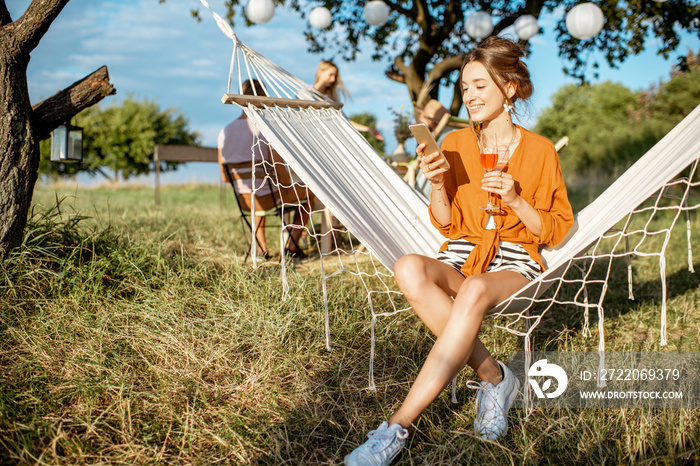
263,102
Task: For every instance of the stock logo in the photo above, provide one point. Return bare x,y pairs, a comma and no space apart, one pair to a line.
543,373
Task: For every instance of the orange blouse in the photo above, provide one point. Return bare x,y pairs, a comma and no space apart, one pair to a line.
537,174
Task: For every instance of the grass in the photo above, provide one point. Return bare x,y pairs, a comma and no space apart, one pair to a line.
136,335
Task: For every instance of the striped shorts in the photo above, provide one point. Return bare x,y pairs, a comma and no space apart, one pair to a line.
510,256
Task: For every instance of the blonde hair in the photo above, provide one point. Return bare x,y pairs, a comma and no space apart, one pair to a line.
337,89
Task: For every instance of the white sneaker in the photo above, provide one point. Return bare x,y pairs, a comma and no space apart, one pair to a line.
493,403
382,446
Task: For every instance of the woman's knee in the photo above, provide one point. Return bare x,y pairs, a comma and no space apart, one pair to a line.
409,271
473,293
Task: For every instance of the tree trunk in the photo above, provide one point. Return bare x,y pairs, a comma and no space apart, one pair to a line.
19,150
21,129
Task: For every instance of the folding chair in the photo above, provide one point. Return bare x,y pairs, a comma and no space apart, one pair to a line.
268,205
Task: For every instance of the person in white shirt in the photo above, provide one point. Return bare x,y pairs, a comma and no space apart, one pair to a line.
237,143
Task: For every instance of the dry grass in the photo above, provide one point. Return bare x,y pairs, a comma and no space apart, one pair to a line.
137,336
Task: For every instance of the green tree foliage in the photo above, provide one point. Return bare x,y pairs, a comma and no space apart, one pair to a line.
681,94
121,139
369,120
588,115
610,127
427,38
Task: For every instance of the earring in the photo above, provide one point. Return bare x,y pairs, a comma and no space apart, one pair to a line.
507,107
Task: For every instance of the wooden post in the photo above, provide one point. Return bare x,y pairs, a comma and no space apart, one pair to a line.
156,162
175,153
326,227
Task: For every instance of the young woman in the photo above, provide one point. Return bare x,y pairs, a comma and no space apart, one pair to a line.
488,255
328,82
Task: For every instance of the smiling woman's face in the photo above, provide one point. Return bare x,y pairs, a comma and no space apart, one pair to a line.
481,96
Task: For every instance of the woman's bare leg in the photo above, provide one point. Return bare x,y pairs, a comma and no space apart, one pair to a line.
430,288
430,285
301,217
260,232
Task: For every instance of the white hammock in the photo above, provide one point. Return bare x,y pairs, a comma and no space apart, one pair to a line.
391,219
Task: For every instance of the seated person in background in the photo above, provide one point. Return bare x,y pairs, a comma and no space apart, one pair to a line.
235,142
434,115
328,82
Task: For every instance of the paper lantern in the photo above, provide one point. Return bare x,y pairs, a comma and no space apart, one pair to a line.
376,13
478,25
320,17
260,11
526,26
585,21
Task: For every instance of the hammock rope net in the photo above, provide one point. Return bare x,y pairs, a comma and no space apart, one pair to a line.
381,218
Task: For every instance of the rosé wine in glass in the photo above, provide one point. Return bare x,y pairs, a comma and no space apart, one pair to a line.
489,159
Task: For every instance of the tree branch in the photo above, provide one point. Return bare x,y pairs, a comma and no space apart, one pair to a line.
453,15
104,173
446,66
401,10
65,104
422,16
439,71
394,76
401,66
33,24
4,14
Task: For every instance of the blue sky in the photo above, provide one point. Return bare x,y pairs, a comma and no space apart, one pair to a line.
157,51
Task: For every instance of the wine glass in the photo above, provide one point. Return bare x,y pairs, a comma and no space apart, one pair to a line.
489,160
502,158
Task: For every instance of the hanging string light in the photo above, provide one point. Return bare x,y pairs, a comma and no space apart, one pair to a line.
585,21
320,17
260,11
526,26
479,25
376,13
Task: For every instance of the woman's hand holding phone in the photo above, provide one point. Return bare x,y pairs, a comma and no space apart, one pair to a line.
432,165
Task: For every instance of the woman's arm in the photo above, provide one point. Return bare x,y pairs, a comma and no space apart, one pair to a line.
527,214
366,129
432,167
503,184
548,215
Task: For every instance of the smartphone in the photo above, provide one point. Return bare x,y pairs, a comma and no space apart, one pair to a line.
423,135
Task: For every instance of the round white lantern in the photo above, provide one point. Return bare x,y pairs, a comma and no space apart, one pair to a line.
260,11
526,26
376,13
478,25
585,21
320,17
